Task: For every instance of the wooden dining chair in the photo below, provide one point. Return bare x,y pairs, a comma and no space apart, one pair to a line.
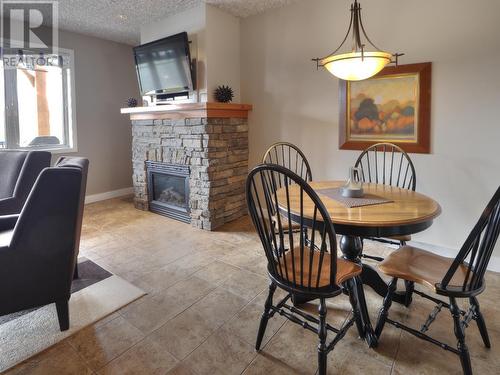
291,157
311,269
462,277
388,164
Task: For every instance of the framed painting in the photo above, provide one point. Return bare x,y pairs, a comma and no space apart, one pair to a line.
393,106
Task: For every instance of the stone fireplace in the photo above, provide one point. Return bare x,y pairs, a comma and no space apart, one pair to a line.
190,161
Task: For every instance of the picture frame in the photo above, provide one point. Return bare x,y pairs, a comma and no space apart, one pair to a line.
393,106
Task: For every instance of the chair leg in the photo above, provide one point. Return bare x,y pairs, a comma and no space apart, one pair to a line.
480,323
410,287
353,299
265,315
322,332
384,311
63,314
459,333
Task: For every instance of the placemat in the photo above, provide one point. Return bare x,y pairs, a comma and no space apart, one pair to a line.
366,200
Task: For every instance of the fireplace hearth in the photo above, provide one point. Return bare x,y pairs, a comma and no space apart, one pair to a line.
168,190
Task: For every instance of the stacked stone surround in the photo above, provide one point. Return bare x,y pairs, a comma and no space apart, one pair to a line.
216,151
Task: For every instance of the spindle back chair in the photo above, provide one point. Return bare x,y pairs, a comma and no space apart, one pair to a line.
308,268
462,278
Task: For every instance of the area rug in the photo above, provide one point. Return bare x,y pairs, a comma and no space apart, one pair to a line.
95,295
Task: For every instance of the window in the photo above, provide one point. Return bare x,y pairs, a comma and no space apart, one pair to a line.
36,102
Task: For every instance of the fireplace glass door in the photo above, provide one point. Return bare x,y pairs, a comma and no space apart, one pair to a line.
168,190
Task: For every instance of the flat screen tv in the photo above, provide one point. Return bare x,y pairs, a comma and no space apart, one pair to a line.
164,66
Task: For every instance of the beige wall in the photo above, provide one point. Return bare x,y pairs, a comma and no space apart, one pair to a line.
104,79
192,21
294,102
215,37
222,38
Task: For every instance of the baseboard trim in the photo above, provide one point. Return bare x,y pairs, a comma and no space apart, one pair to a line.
494,264
108,195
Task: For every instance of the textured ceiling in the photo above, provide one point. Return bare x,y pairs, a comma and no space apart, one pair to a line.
120,20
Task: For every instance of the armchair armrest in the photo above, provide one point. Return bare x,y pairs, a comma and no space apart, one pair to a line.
8,222
10,206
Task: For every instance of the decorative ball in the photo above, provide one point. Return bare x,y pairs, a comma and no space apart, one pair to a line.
223,94
132,102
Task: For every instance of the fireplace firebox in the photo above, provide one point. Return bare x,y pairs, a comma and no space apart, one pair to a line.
168,190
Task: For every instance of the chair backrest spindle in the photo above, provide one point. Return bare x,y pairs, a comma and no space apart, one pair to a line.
289,156
380,164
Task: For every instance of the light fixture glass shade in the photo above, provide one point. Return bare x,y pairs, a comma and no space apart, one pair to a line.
355,66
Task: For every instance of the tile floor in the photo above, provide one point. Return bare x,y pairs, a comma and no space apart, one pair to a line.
205,295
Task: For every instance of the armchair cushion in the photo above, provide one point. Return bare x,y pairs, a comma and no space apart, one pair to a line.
19,170
8,222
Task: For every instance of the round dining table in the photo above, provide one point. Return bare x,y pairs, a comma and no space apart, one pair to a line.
405,212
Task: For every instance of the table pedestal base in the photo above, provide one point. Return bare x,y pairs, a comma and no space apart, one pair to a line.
352,248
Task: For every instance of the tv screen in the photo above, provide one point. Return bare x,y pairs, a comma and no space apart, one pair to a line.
164,65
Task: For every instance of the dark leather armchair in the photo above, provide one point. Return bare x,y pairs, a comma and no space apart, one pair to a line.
18,172
38,256
69,162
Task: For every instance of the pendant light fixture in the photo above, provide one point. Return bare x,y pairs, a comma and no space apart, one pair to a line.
360,63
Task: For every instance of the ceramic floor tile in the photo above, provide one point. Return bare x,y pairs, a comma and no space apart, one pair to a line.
99,345
189,329
181,369
222,354
296,347
246,284
265,363
178,270
216,272
184,333
157,309
147,357
60,359
246,323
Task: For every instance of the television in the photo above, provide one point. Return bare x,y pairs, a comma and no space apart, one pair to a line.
164,66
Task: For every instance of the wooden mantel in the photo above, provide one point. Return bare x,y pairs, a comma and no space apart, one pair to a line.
187,110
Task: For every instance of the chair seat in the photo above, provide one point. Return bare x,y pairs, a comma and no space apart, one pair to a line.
5,237
345,268
420,266
406,238
285,224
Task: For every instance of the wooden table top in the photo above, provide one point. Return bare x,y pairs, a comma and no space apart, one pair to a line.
408,207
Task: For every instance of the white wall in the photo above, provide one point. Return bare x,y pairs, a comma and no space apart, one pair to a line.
294,102
223,51
216,40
